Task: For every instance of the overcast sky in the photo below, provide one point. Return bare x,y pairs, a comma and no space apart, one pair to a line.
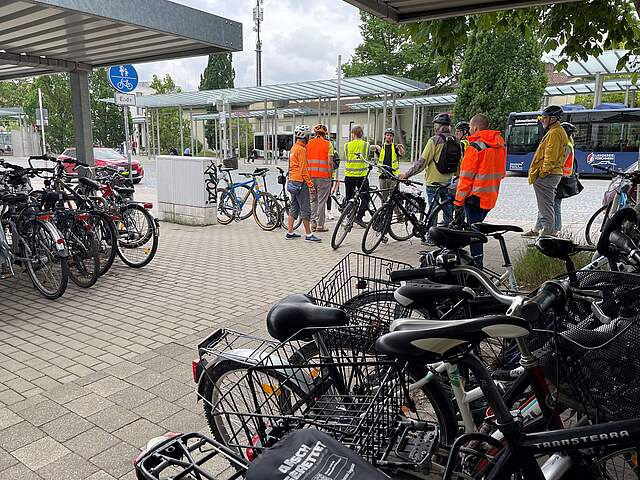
301,41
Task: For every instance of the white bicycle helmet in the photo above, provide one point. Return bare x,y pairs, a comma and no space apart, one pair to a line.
302,131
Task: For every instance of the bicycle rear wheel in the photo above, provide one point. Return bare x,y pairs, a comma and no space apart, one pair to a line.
106,238
48,271
345,223
84,258
377,228
595,224
442,215
266,212
137,236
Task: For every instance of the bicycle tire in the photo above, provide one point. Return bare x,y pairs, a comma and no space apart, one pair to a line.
107,238
247,209
376,201
213,389
434,215
344,223
377,229
284,215
84,258
127,249
405,230
57,289
266,212
590,236
225,211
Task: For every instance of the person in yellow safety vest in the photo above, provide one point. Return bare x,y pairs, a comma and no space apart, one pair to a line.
355,172
567,169
462,134
320,161
388,154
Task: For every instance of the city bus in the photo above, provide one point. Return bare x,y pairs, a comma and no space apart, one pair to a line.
605,137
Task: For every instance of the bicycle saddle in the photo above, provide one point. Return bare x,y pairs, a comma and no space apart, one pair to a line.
226,169
88,182
434,340
561,248
488,228
12,198
423,294
260,171
124,190
455,239
295,312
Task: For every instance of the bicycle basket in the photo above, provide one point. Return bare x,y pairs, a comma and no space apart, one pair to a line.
594,366
353,395
360,284
230,162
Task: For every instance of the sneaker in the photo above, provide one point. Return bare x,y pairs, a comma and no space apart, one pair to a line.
530,233
312,238
291,236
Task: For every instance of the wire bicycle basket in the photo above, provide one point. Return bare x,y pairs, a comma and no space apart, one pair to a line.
361,285
354,395
594,366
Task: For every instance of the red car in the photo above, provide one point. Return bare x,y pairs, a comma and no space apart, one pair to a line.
106,157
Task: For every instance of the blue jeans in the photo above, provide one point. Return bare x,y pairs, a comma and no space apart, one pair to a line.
474,215
442,197
557,209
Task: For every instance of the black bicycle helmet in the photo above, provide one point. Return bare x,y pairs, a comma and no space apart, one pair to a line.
442,119
553,111
570,128
463,126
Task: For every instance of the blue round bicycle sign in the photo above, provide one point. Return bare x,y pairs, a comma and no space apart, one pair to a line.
123,78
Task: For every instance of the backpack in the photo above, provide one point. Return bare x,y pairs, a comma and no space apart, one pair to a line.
450,155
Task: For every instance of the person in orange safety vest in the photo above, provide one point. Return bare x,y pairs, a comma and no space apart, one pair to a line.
481,171
320,160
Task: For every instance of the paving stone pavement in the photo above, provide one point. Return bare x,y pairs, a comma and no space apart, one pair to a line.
87,379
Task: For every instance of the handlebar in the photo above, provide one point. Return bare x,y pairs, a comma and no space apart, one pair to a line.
614,224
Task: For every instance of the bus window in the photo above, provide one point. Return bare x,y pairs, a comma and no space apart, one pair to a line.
615,137
523,138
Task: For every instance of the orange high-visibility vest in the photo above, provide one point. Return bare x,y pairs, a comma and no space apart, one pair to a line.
567,168
318,158
482,169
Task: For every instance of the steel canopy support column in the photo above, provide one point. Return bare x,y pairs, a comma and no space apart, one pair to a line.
238,125
181,131
192,132
413,132
158,129
81,109
368,124
420,137
597,94
384,114
338,92
393,112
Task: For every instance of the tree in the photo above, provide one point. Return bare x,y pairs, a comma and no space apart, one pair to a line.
501,73
576,29
108,128
385,49
218,73
169,117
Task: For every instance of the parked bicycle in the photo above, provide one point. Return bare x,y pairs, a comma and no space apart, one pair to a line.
285,202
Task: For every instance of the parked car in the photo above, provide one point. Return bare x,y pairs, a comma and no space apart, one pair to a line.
106,157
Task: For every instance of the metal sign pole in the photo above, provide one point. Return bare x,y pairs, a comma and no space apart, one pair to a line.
127,143
44,143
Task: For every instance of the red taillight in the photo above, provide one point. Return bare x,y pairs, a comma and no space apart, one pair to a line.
250,452
45,217
116,218
195,366
60,241
148,206
82,217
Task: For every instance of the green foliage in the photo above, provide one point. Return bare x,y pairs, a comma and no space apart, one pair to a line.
169,118
108,128
532,268
386,49
217,74
577,29
501,73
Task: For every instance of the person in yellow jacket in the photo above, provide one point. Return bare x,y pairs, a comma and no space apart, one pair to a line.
356,152
389,154
545,171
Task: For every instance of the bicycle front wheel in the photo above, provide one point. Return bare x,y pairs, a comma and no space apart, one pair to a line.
441,216
401,228
226,206
48,271
137,236
595,225
84,258
245,199
377,229
266,212
344,224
